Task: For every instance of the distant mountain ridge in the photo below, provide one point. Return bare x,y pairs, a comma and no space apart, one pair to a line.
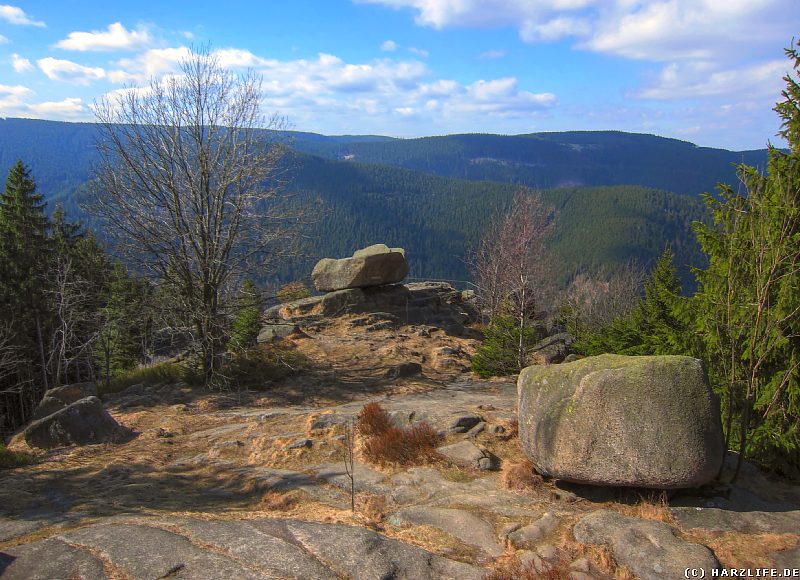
434,195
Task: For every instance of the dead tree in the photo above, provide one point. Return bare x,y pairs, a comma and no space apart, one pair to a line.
512,267
189,184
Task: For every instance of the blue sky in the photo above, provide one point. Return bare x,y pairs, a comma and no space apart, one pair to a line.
707,71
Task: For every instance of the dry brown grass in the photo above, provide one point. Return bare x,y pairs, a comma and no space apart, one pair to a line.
513,569
522,477
387,444
741,550
411,446
280,501
373,508
654,506
373,420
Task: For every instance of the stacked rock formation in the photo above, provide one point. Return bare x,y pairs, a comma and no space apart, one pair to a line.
368,282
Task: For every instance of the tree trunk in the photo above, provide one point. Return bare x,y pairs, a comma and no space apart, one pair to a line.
42,359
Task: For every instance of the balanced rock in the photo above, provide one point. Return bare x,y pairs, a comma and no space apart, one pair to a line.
373,266
648,421
83,422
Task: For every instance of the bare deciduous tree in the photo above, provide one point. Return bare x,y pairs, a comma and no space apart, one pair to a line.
594,301
189,186
512,268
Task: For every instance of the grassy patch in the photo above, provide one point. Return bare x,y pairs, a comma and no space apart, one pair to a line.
257,366
522,477
9,459
150,375
513,569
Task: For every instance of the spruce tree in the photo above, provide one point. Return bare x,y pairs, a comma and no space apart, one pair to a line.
247,323
24,256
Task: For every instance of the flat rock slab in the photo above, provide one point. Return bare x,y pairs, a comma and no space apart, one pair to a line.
727,520
364,478
195,548
15,528
649,548
461,524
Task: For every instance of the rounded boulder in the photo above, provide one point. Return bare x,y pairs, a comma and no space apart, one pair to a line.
638,421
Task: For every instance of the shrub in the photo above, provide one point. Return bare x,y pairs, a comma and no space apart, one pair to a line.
268,362
386,443
9,459
402,446
499,353
372,420
247,323
292,291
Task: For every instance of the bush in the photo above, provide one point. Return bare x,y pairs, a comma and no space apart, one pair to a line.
499,354
372,420
292,291
389,444
256,366
247,324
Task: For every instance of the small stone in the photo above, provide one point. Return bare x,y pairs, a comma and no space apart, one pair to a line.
548,552
497,430
529,536
527,557
463,422
508,529
300,444
476,430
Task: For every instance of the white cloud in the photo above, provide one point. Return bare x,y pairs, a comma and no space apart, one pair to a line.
15,15
20,64
418,51
157,62
699,79
657,30
69,108
117,37
3,39
15,91
70,72
388,46
493,54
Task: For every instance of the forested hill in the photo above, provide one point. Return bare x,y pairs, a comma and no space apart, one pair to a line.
60,155
438,219
549,160
435,218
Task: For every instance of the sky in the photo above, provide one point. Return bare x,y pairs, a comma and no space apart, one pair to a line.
705,71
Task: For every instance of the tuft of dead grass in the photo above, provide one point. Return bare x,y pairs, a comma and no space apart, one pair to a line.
743,550
387,444
373,420
414,445
654,506
521,477
280,501
513,569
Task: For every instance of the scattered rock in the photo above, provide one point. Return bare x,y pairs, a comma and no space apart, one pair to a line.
463,422
467,454
497,430
403,418
84,422
649,548
553,349
548,552
300,444
328,420
273,332
375,265
477,429
649,421
403,370
529,536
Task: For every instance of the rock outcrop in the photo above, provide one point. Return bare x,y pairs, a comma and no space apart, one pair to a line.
649,548
59,397
375,265
80,423
649,421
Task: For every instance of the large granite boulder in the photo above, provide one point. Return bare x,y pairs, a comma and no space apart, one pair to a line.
649,421
57,398
373,266
80,423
